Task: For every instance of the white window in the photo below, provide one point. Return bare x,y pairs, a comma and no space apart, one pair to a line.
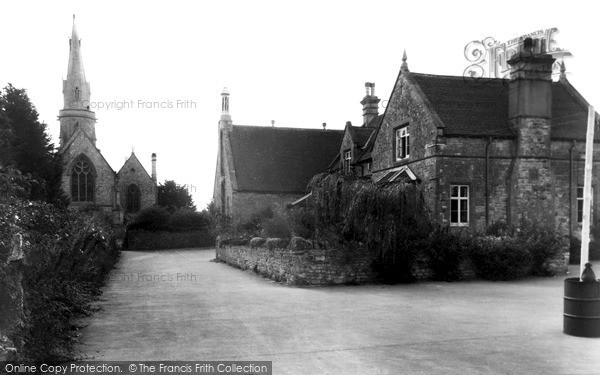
347,161
402,143
580,204
459,205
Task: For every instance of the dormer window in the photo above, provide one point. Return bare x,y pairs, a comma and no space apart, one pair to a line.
76,93
402,143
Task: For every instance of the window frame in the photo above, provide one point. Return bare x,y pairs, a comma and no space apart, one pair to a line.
460,198
89,181
398,141
347,160
131,206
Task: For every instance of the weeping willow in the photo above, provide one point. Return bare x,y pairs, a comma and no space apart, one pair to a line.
391,221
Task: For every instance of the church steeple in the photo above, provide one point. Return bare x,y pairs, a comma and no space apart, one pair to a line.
76,93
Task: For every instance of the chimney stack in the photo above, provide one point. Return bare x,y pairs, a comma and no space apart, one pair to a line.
370,104
154,167
530,87
530,115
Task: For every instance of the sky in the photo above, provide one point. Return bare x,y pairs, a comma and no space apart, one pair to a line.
298,63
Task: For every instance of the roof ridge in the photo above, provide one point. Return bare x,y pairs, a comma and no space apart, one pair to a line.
457,77
284,128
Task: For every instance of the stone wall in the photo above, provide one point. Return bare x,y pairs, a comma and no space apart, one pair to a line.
299,263
302,262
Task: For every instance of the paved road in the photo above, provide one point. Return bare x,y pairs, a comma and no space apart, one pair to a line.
215,312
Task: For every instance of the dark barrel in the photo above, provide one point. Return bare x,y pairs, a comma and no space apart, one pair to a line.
582,308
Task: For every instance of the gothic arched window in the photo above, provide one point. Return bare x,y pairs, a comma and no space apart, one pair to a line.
82,181
133,198
76,93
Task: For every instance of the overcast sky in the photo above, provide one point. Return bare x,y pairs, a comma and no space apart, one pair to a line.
298,63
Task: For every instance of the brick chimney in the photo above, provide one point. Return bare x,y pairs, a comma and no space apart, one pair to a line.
530,115
370,104
154,167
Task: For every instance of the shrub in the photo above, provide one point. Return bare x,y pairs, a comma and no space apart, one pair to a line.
302,222
184,220
276,226
68,254
151,219
542,244
499,258
575,250
445,253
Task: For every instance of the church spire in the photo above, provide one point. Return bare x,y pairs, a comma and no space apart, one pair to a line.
75,71
76,93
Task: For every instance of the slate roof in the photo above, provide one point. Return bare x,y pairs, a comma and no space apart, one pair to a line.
480,108
271,159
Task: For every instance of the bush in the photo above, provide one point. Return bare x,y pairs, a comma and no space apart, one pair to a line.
276,226
302,222
542,244
186,221
575,250
68,254
445,253
151,219
499,258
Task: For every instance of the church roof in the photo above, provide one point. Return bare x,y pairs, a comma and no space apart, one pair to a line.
468,107
271,159
134,162
78,132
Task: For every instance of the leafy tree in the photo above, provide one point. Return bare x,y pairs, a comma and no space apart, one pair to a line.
173,196
26,146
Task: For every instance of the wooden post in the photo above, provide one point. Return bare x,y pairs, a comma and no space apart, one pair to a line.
587,189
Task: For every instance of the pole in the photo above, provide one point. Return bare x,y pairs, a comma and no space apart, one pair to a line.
587,189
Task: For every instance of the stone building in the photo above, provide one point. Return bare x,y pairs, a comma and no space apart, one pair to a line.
354,156
261,167
88,179
489,150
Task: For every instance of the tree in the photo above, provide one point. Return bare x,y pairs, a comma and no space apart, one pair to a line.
26,146
173,196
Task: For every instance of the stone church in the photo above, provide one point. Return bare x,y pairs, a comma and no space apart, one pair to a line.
267,167
88,179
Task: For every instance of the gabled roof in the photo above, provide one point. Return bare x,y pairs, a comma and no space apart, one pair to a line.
271,159
365,155
360,135
480,108
74,136
134,162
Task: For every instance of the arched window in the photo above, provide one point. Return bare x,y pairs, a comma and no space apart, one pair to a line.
133,198
82,181
76,93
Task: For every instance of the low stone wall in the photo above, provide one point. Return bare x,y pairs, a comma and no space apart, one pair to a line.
146,240
300,262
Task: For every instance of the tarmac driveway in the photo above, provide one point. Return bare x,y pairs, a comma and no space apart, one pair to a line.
179,305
